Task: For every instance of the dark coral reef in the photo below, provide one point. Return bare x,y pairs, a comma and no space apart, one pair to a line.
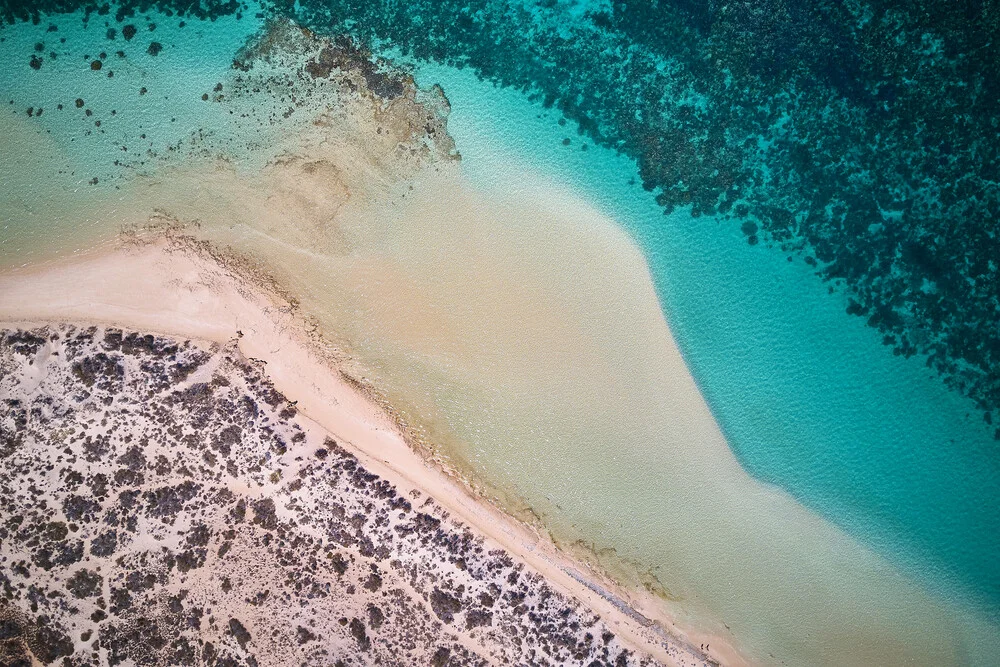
861,136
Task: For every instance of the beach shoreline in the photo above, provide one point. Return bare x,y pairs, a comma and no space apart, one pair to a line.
174,286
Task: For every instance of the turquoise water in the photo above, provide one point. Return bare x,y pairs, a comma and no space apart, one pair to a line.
135,113
809,399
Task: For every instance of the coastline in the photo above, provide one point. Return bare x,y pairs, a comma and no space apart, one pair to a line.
508,322
174,287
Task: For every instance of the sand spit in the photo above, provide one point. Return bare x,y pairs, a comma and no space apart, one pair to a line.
234,499
289,184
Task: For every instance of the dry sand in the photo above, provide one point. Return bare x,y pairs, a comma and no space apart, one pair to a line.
172,287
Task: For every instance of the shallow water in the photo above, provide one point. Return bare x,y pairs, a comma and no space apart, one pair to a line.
504,306
808,396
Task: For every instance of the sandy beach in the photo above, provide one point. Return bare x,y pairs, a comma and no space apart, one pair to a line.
170,287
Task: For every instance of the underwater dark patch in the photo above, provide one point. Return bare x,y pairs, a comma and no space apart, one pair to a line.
850,134
861,136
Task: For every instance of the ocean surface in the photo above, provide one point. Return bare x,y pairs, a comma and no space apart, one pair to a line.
844,510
